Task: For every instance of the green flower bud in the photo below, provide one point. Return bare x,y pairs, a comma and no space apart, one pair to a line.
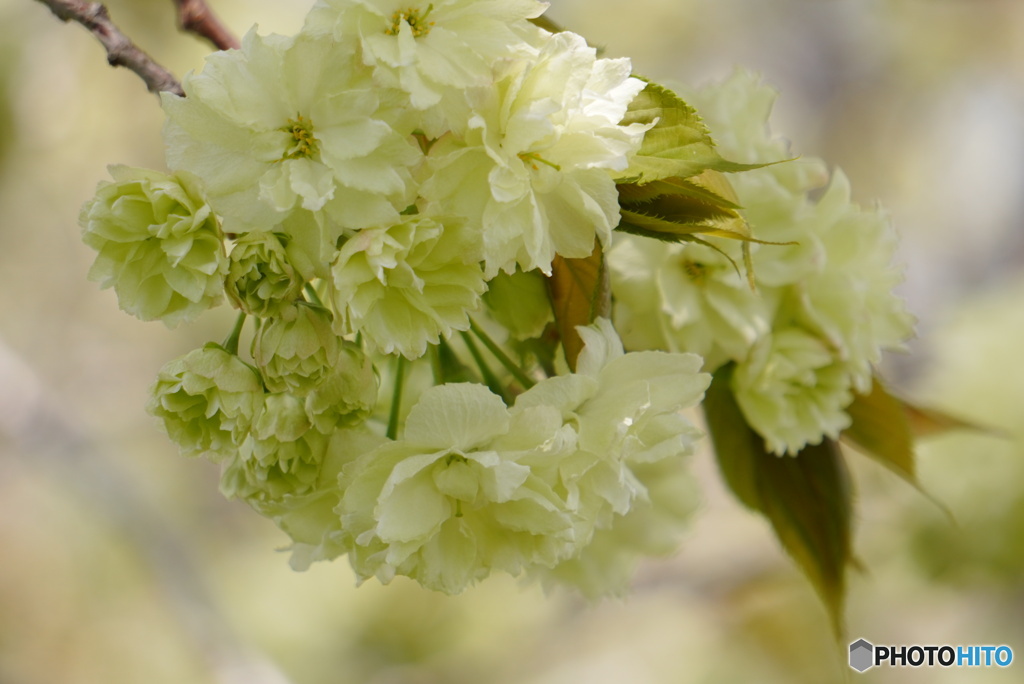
297,355
159,245
207,401
261,278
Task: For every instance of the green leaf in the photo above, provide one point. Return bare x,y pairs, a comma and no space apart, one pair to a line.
674,185
678,145
807,498
580,291
737,446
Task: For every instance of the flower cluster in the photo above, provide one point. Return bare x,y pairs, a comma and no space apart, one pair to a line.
392,199
806,339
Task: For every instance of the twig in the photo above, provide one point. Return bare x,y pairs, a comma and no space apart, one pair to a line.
121,51
196,17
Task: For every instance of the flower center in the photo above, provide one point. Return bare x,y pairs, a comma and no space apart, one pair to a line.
411,16
304,143
532,158
696,271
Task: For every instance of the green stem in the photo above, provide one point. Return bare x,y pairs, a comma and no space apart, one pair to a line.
436,370
231,343
502,357
396,397
490,379
312,295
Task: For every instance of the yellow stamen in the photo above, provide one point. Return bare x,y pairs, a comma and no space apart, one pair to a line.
418,23
532,157
305,143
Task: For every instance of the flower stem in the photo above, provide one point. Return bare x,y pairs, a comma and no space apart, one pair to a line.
490,379
396,397
436,370
312,295
231,343
502,357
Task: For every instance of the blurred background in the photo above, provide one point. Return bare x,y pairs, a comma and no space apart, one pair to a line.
120,562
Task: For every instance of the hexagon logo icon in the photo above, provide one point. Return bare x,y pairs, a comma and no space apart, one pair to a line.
862,655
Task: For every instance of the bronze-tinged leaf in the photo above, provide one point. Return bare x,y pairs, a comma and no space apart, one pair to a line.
880,427
926,422
647,218
807,498
678,209
632,194
885,427
580,292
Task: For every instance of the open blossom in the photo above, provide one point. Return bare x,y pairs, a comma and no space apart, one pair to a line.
843,255
309,518
446,504
533,165
852,301
793,390
684,298
409,284
654,526
159,245
425,48
287,123
625,409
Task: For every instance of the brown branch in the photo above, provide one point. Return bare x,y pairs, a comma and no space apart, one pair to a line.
196,17
121,51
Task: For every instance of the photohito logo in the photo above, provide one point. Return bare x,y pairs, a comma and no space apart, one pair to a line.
865,655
